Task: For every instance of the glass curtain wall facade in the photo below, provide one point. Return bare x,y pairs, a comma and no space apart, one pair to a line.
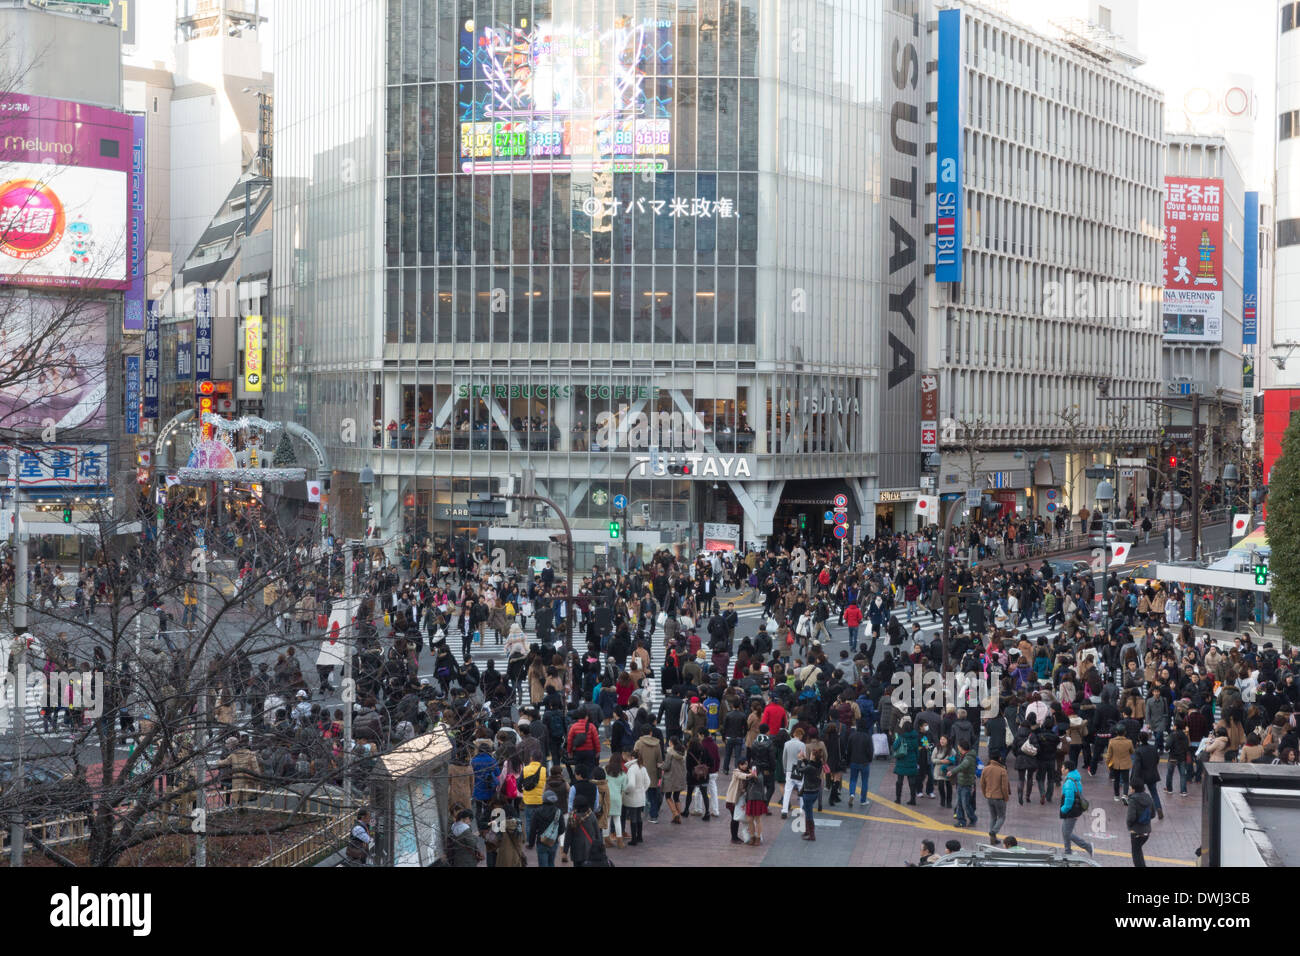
565,210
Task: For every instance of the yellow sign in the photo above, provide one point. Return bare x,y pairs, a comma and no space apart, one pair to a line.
253,353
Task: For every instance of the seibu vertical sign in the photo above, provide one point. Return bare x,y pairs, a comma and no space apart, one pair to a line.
903,266
1193,264
948,162
1250,272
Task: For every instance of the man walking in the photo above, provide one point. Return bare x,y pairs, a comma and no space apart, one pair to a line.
793,752
995,784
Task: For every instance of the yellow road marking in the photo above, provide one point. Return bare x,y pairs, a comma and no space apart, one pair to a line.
921,822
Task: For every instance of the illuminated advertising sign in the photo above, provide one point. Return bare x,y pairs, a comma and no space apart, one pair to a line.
62,342
64,171
1193,264
1250,272
134,304
253,353
556,97
951,120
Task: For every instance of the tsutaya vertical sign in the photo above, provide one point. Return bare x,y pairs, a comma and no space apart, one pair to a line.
1250,272
929,413
253,353
900,417
948,165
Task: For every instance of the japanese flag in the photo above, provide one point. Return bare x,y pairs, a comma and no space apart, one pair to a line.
1120,551
173,480
1240,524
313,491
928,505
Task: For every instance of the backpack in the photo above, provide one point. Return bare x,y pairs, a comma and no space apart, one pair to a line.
555,723
530,781
1144,817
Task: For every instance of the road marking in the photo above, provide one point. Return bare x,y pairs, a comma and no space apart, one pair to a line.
926,823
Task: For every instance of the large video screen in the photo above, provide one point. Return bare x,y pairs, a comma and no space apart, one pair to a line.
64,169
558,97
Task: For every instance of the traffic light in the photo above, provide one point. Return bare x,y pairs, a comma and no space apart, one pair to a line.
679,470
485,506
1261,574
615,529
67,515
803,521
1173,462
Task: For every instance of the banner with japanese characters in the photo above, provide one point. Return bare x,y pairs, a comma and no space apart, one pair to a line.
151,359
60,466
1193,263
132,400
202,335
279,353
184,352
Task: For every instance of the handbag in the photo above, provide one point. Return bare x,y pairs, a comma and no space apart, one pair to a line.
661,617
1029,748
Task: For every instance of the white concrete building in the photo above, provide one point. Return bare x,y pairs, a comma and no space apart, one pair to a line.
1286,211
1063,163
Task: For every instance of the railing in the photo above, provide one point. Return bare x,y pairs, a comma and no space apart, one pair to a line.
337,822
1046,546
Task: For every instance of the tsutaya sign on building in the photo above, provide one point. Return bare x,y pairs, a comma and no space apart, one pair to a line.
696,466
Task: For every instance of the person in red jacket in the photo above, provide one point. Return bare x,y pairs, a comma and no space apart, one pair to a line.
584,742
853,620
774,716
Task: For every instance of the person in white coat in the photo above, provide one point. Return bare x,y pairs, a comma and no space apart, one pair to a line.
634,797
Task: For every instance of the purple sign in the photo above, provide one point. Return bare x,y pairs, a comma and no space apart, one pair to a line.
151,351
64,171
134,306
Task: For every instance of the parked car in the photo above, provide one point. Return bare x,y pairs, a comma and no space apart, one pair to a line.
1116,530
986,855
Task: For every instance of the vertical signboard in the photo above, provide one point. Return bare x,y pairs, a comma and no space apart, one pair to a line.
279,353
253,353
1250,272
948,166
1193,265
203,335
929,413
132,409
134,303
151,358
184,352
903,291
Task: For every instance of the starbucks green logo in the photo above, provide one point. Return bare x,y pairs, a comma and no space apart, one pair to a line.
599,497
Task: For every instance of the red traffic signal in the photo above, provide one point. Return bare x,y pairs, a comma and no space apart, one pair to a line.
1173,461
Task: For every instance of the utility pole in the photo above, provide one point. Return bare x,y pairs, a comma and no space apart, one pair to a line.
18,828
1196,476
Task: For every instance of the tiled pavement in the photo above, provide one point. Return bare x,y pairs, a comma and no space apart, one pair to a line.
887,834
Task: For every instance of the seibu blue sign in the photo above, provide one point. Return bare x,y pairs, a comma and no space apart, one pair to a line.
948,163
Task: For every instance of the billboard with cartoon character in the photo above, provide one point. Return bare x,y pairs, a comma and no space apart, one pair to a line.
64,171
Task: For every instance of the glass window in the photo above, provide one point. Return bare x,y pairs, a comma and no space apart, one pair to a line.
581,304
541,304
600,295
662,304
705,306
643,322
685,302
560,304
499,304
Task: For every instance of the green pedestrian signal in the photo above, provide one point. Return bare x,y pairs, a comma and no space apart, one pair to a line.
1261,574
67,515
803,521
615,529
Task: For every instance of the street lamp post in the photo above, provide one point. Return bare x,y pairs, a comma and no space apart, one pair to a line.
17,828
1105,495
366,479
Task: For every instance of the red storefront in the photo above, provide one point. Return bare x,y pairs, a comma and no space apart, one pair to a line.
1279,405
